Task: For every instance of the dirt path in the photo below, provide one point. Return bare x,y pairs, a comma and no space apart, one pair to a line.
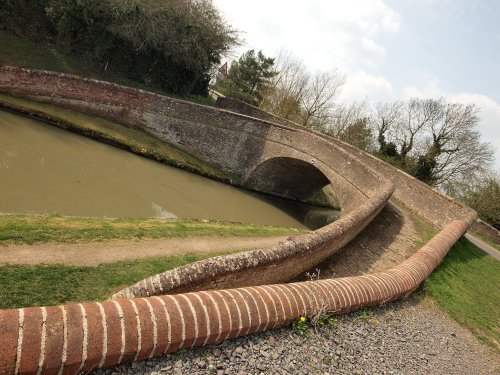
95,253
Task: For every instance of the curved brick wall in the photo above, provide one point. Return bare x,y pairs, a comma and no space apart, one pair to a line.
280,263
239,145
419,197
80,337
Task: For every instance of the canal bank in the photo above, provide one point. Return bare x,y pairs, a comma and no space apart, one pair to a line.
47,170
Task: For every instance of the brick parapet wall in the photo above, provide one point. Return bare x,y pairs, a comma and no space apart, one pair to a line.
77,338
419,197
363,193
486,231
280,263
237,142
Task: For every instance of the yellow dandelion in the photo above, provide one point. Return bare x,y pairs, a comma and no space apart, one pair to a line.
302,319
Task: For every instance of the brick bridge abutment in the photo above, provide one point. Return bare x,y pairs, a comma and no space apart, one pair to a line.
223,297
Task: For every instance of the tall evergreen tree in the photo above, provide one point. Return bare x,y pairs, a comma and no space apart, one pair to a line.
248,77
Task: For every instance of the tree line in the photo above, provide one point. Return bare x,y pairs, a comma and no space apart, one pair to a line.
172,45
176,45
434,140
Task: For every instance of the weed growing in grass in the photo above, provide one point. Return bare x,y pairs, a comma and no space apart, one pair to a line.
318,321
364,315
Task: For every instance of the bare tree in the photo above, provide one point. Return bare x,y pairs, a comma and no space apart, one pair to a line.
456,143
416,116
286,89
432,139
298,95
345,115
482,194
383,120
318,101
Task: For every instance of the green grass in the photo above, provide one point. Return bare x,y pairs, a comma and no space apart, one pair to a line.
21,52
42,285
117,134
467,286
37,229
486,241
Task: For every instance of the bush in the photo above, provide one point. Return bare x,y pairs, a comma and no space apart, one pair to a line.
171,44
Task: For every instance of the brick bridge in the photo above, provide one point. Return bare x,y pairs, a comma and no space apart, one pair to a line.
230,296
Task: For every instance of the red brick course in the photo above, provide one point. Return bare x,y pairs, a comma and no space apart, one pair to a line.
79,337
154,325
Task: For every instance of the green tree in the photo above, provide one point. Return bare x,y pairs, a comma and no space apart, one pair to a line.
26,18
171,44
248,77
358,134
482,194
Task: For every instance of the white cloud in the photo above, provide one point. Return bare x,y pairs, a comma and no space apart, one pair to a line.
323,33
489,125
361,85
431,90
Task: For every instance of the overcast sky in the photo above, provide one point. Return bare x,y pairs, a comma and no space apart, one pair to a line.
390,49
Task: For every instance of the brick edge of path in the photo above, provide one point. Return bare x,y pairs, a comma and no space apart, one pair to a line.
73,338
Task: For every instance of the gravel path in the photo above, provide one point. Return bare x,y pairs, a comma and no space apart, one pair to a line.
407,337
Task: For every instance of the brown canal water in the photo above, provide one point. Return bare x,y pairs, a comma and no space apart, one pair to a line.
45,170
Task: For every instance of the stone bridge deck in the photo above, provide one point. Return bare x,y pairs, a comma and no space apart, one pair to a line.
151,317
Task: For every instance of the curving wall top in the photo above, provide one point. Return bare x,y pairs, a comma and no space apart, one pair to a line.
237,144
419,197
79,337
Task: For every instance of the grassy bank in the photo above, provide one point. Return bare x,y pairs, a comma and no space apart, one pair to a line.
21,52
18,229
114,133
23,285
487,241
26,285
466,286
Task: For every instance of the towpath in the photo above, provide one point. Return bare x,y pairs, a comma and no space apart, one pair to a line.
95,253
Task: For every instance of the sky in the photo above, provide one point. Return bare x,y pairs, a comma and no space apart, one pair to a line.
388,49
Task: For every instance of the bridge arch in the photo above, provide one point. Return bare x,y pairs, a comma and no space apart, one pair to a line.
287,177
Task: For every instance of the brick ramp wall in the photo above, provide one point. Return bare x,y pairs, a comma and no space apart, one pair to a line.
363,192
419,197
72,338
485,230
280,263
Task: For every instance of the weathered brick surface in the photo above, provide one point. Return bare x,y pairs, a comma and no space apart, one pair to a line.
198,318
239,145
261,266
54,344
9,334
416,195
78,337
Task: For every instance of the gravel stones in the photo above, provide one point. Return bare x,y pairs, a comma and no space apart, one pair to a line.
408,337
